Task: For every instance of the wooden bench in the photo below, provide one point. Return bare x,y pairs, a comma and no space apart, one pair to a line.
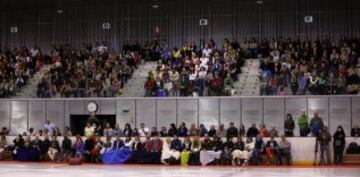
351,159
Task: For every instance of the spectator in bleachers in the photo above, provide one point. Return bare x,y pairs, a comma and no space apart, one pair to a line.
163,132
263,132
172,130
258,150
212,131
186,151
273,132
271,150
79,147
170,153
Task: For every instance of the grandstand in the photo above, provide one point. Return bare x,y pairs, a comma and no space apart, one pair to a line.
180,88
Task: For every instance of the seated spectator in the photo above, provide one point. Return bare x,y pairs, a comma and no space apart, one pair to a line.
227,151
252,131
186,151
138,151
143,131
169,154
163,132
263,131
45,146
232,131
208,153
172,130
242,130
271,151
79,147
193,131
273,132
106,146
258,150
117,131
107,130
127,131
355,131
284,151
240,154
66,149
154,149
89,130
221,132
54,149
195,151
3,143
212,131
202,130
182,131
154,132
119,152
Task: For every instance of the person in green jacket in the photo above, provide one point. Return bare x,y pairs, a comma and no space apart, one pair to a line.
228,85
303,122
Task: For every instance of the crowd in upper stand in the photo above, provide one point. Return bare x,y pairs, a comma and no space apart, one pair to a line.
190,70
17,65
320,67
288,66
211,149
90,71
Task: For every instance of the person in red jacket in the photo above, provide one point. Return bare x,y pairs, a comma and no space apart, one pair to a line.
216,86
149,87
154,149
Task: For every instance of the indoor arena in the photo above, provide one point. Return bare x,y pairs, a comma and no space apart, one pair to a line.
180,88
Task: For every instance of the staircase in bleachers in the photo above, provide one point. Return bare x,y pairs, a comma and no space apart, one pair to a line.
29,90
248,83
135,86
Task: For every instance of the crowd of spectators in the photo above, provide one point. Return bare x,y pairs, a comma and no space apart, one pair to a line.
292,66
88,71
191,70
221,145
17,65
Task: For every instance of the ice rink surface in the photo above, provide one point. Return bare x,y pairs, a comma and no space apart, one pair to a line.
63,170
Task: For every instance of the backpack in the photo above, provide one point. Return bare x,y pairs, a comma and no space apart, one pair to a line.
352,148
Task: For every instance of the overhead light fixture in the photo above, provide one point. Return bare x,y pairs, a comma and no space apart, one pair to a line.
155,4
59,11
259,2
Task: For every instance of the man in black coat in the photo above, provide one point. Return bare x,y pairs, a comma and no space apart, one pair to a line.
232,131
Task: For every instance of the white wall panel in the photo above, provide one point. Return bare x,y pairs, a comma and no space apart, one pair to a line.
19,118
274,114
340,113
230,111
252,112
146,113
125,112
187,111
209,112
37,113
166,113
319,105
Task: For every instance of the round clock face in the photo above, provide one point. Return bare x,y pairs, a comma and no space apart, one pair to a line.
92,106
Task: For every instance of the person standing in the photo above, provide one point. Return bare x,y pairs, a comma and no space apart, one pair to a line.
289,126
339,144
303,122
316,125
324,138
50,127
